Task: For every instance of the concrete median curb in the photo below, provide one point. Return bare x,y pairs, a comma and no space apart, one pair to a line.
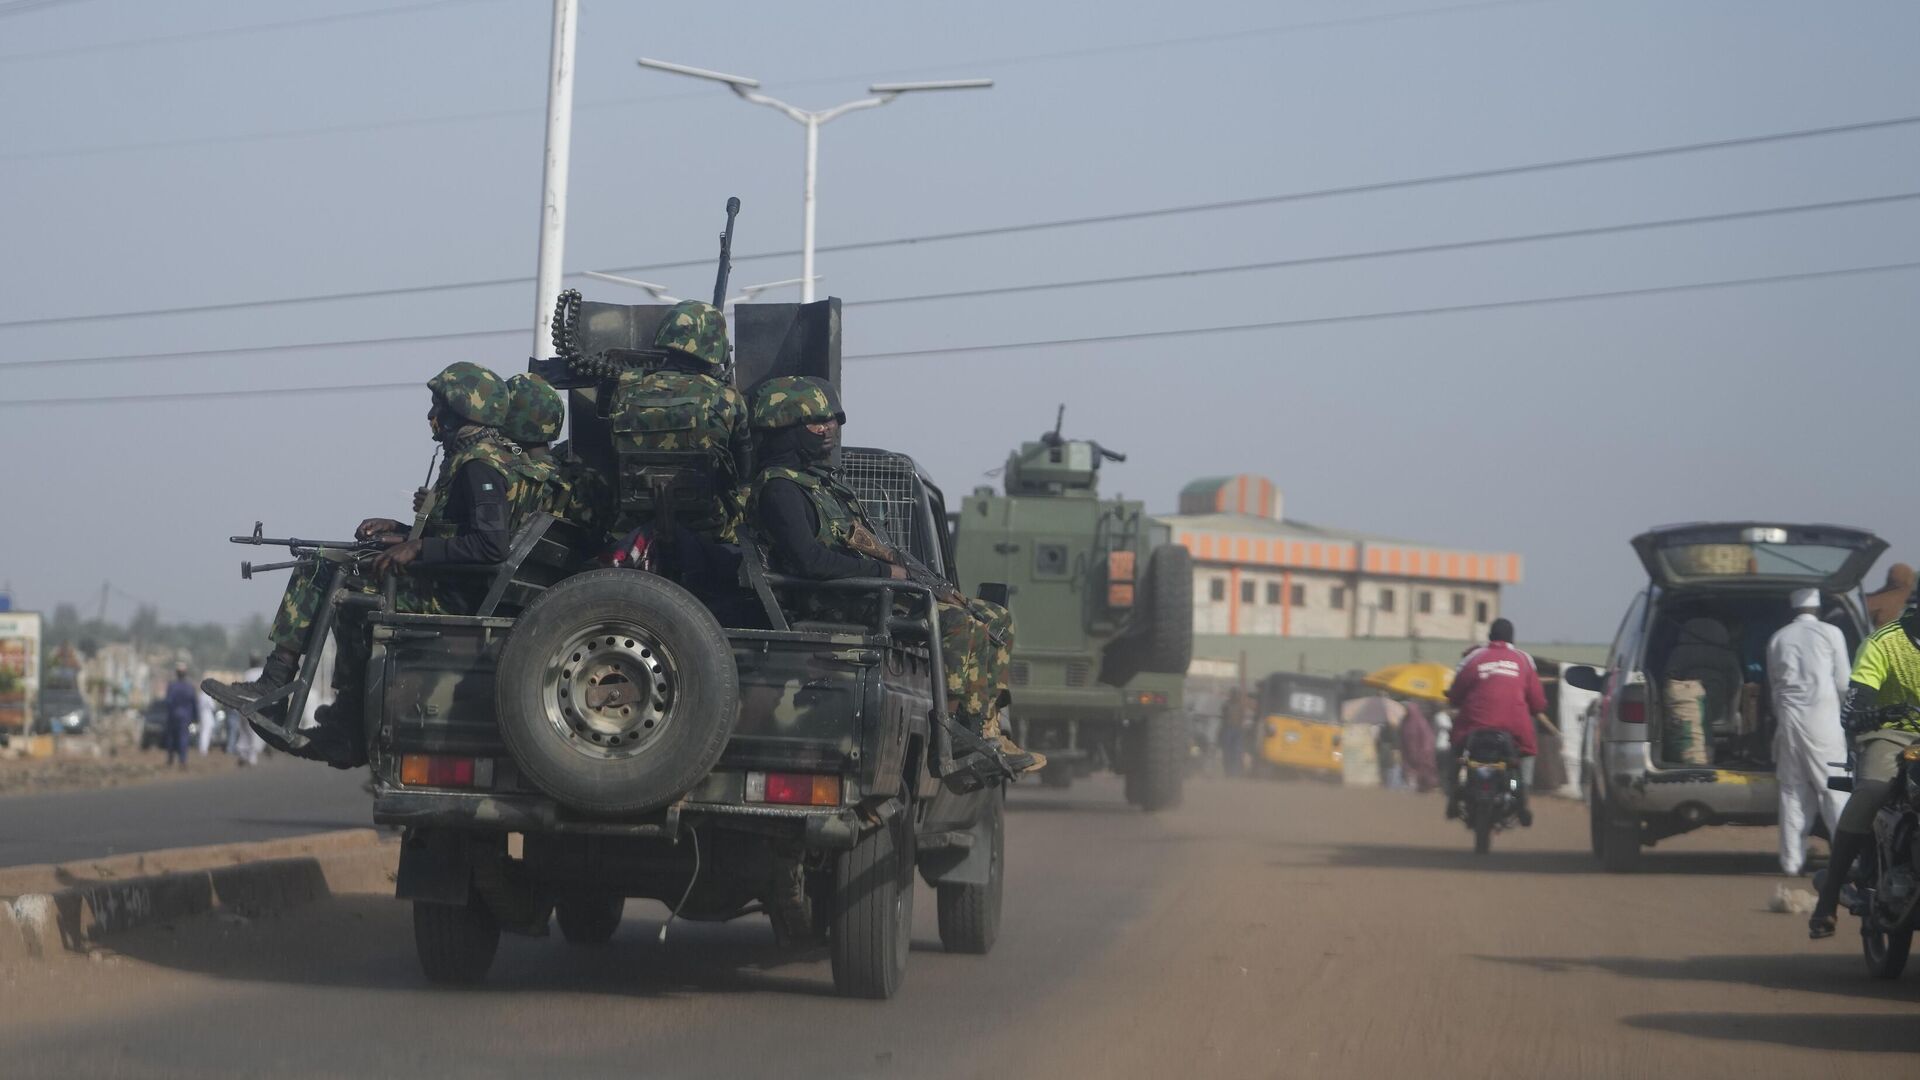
74,905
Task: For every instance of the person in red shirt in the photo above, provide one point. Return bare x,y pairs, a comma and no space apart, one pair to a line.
1496,687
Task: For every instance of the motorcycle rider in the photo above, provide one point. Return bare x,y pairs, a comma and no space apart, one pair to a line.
1495,687
1882,695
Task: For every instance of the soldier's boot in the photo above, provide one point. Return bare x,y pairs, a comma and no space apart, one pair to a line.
1020,760
337,738
277,672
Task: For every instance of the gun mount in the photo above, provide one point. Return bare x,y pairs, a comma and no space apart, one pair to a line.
1058,466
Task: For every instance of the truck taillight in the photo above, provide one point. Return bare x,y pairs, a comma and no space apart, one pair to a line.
1633,712
793,789
437,770
1149,697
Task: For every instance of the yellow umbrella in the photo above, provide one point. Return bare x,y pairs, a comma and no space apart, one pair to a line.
1429,681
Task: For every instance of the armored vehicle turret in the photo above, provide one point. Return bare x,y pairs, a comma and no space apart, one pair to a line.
1103,608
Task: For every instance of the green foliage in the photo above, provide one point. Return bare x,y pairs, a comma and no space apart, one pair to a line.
206,645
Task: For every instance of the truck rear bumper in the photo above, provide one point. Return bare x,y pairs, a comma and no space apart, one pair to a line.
836,828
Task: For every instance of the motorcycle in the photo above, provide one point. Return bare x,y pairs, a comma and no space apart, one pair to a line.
1883,890
1489,786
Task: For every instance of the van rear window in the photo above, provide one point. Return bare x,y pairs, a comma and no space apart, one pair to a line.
1811,561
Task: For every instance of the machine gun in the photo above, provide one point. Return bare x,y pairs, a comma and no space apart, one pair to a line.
306,551
1055,439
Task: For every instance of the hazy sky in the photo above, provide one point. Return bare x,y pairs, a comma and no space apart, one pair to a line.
367,153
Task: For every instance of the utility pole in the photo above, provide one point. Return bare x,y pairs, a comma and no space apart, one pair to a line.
748,90
553,181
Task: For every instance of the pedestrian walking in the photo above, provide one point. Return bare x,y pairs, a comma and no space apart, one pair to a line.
182,706
204,712
1417,749
1807,671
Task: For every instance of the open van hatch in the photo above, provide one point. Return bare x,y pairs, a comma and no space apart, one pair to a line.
1830,557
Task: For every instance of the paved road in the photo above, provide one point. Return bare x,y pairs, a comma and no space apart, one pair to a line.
280,798
1261,930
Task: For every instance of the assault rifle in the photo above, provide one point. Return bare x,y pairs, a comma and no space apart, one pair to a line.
866,543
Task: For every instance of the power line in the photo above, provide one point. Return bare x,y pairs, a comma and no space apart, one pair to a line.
1007,346
1045,286
1383,253
231,31
21,7
455,118
242,350
1035,226
1404,313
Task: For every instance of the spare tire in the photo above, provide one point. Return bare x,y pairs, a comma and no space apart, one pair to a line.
1169,581
616,692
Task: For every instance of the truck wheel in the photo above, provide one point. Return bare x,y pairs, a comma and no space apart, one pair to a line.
589,919
872,924
1169,582
1161,763
616,691
456,942
970,914
1619,844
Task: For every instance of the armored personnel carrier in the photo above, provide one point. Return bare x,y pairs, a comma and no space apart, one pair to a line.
1103,604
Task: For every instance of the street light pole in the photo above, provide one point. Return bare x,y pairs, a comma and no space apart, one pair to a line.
553,179
748,90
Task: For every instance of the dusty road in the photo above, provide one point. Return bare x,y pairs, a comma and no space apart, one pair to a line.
1261,930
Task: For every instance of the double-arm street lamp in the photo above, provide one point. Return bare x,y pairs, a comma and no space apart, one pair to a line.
749,90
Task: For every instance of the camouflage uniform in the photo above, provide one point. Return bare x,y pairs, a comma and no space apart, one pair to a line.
478,396
668,409
976,637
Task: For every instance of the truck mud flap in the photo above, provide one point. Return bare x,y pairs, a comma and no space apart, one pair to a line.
436,865
963,853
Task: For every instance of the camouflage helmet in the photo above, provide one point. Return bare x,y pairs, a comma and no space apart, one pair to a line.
794,399
472,393
534,411
695,329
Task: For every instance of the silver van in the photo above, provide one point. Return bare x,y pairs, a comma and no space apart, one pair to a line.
1683,733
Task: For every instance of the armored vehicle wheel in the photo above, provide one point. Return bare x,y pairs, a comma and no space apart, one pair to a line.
456,942
589,919
616,691
1160,766
970,914
872,924
1169,581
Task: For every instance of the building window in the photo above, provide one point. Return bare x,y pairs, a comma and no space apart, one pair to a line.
1480,612
1299,596
1386,600
1217,589
1424,601
1459,603
1246,592
1337,597
1273,593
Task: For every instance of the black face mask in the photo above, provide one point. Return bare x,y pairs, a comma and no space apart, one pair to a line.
812,447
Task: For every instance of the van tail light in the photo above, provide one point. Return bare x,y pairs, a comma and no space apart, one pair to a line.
1633,712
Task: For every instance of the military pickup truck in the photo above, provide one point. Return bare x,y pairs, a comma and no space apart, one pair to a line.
592,735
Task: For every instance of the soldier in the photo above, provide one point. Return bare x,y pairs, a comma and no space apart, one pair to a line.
534,416
483,490
685,404
818,529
